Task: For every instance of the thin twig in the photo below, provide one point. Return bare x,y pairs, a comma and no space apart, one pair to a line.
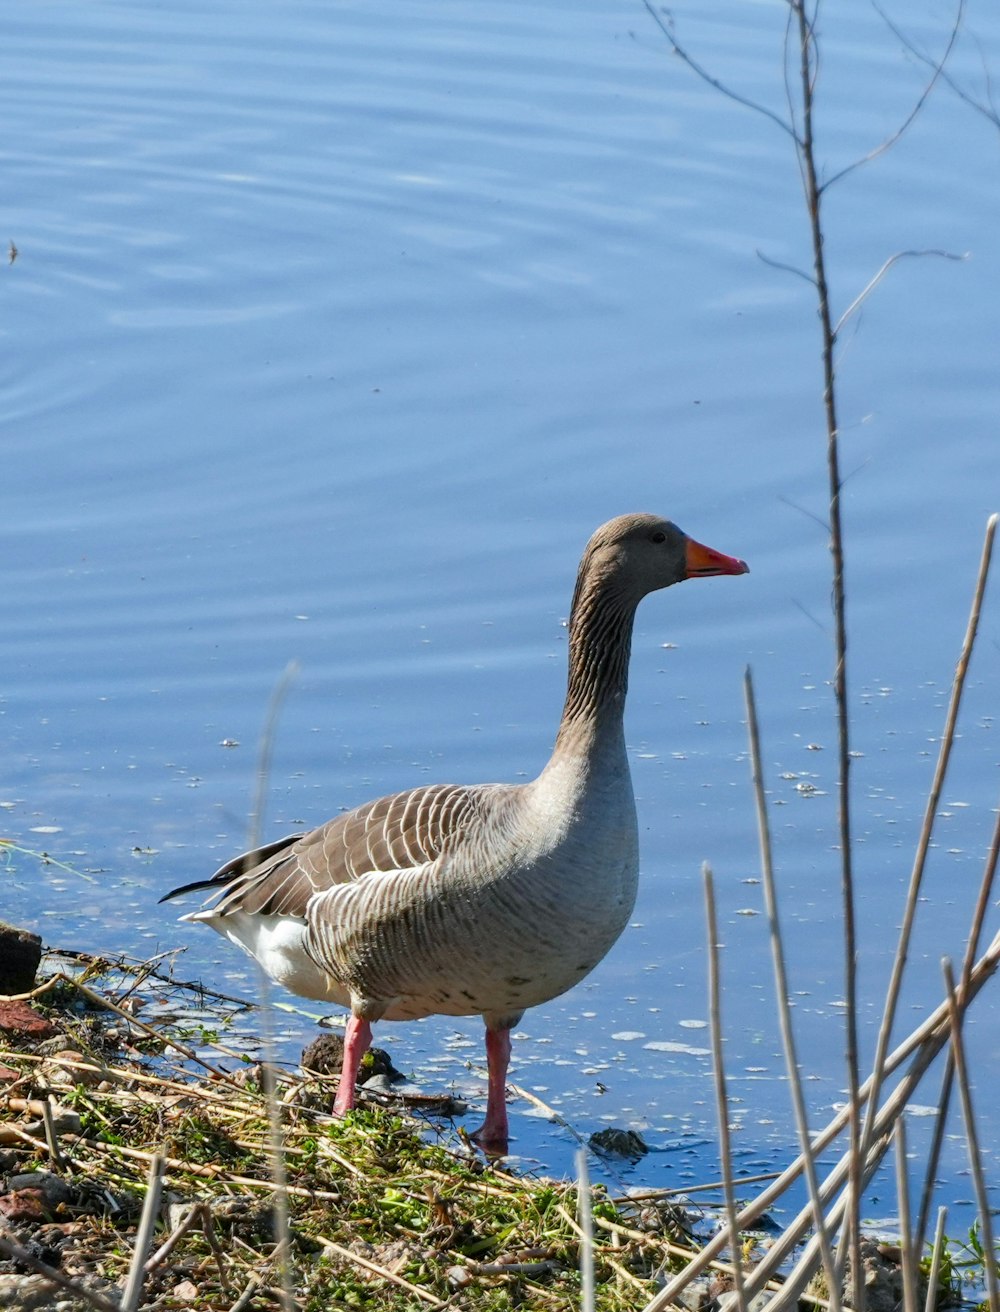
988,111
806,150
51,1138
706,76
721,1097
245,1299
275,1153
937,71
873,282
266,748
782,267
162,1035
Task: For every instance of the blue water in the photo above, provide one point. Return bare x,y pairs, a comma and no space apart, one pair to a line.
333,332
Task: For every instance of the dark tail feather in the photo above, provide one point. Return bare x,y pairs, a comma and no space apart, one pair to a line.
232,869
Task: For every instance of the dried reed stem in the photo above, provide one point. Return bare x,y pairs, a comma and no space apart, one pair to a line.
923,1045
721,1097
585,1216
947,1079
956,1008
51,1138
930,1302
275,1153
144,1236
781,994
930,813
908,1259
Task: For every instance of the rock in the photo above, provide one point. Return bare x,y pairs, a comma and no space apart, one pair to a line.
378,1084
883,1277
695,1296
619,1143
27,1293
20,953
19,1021
24,1293
377,1062
24,1207
729,1301
63,1071
459,1277
326,1053
52,1189
59,1044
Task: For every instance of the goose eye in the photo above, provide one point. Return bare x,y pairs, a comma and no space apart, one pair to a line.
658,536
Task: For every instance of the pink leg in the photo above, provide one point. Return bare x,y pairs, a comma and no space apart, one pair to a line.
492,1134
357,1041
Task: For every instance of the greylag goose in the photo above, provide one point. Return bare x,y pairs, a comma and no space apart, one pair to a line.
479,900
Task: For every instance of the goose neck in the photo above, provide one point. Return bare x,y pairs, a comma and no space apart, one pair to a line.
600,639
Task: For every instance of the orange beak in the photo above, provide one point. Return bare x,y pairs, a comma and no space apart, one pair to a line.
703,561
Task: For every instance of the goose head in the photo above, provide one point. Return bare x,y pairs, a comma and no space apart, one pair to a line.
634,555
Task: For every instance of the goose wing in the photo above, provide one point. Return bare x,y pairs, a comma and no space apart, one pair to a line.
398,832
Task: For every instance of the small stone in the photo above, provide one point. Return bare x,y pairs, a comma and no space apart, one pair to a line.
24,1207
59,1044
19,1021
52,1188
20,953
695,1296
27,1293
378,1084
63,1070
186,1290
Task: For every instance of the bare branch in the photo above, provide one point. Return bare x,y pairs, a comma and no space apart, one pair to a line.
989,110
874,282
785,268
679,50
937,70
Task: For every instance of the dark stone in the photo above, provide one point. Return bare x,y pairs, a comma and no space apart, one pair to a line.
326,1054
619,1143
20,953
52,1188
